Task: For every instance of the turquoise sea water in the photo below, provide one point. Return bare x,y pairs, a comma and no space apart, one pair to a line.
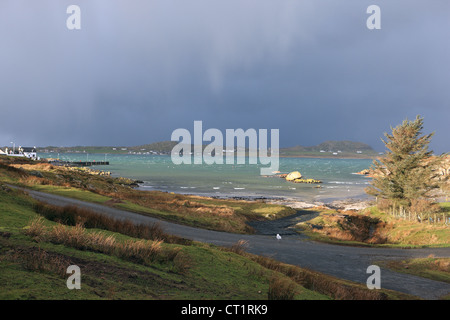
159,173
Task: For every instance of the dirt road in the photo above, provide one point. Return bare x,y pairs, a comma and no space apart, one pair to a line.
345,262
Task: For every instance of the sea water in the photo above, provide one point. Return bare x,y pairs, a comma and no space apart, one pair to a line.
338,176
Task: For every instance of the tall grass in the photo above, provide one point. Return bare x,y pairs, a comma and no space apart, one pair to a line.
239,247
144,252
72,215
324,284
321,283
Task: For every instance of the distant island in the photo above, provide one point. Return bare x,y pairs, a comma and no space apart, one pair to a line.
327,149
332,149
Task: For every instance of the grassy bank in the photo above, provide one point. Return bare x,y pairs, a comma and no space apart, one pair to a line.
35,251
372,227
433,268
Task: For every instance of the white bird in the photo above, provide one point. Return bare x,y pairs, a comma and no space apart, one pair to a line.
278,237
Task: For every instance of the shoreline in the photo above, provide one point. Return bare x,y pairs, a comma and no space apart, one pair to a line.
368,157
340,203
358,201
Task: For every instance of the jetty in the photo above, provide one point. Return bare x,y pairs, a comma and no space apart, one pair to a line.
79,163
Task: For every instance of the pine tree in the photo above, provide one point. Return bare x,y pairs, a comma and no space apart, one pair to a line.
407,171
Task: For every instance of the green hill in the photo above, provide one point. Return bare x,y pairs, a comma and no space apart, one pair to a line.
325,149
332,149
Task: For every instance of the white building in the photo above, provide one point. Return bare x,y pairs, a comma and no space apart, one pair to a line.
28,152
21,152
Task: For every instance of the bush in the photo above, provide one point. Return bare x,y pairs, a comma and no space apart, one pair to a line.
239,247
281,289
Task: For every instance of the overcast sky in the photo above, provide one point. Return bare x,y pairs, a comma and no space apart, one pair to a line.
137,70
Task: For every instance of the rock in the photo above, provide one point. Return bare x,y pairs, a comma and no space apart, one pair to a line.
293,175
350,204
307,181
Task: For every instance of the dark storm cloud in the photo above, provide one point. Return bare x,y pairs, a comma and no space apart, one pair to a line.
138,70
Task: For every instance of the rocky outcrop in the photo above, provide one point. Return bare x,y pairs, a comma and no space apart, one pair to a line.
306,181
364,172
296,177
90,171
293,176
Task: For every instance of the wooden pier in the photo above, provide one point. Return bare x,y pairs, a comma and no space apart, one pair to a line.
79,163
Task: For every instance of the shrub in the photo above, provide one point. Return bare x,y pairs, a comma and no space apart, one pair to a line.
281,289
239,247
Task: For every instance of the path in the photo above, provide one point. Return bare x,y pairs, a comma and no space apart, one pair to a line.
340,261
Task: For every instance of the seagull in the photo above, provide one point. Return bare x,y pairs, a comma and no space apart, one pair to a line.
278,237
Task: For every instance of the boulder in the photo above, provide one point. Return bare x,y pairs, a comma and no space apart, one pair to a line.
293,175
365,172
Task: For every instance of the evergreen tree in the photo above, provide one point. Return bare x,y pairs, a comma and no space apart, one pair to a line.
407,171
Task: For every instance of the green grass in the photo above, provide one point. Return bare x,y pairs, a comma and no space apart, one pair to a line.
437,269
399,233
445,206
17,283
214,273
74,193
